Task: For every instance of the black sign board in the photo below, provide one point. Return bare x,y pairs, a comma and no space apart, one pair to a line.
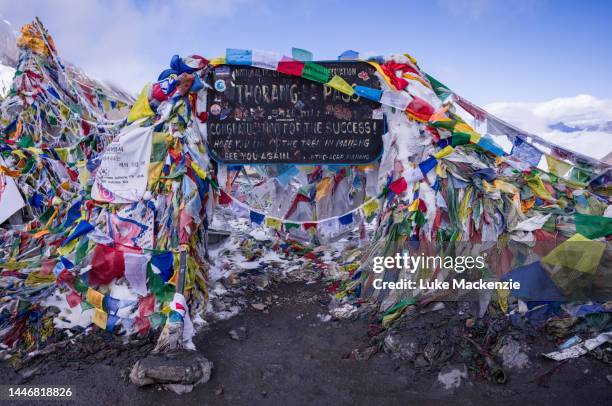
259,116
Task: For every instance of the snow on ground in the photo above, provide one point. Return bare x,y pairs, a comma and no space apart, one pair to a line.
6,79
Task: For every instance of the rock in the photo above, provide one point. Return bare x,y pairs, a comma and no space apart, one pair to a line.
239,333
451,376
178,371
262,281
401,347
177,388
513,355
258,306
420,361
231,280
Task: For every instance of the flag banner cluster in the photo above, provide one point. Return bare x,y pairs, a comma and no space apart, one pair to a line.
367,208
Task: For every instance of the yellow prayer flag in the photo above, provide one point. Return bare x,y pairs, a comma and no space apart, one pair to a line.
274,223
341,85
201,172
536,184
95,298
62,153
323,188
556,166
465,207
505,187
502,299
220,60
155,170
84,174
21,154
100,318
37,277
370,207
141,107
414,206
577,252
463,127
68,248
446,151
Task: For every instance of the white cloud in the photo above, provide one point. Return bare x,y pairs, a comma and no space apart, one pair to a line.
578,111
582,109
125,42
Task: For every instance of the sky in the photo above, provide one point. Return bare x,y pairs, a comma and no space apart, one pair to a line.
509,55
486,50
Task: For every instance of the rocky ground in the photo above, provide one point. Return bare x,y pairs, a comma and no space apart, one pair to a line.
286,350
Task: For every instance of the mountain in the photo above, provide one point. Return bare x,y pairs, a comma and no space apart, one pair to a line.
605,126
581,123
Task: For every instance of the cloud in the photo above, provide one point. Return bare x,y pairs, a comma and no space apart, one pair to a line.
579,111
125,42
582,109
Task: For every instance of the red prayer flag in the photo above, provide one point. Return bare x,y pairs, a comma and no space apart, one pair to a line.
290,67
398,186
420,108
107,264
224,199
309,225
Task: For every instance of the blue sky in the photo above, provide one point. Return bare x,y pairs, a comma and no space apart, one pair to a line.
486,50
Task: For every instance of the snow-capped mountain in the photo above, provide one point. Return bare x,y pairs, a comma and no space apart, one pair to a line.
582,123
605,126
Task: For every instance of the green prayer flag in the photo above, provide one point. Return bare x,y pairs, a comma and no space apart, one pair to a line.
289,226
316,72
593,226
460,139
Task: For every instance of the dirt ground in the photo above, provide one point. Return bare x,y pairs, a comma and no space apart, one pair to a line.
292,357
